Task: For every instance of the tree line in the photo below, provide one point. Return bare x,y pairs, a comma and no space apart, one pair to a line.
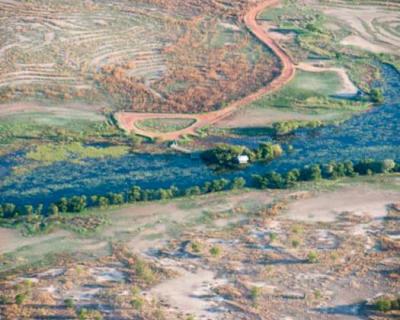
272,180
332,170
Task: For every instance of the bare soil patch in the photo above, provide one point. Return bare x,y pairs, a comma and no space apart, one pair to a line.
327,206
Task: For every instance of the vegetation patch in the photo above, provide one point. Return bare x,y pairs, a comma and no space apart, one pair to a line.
312,93
225,156
50,153
164,125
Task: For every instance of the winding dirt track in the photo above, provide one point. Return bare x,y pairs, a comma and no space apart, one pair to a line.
127,120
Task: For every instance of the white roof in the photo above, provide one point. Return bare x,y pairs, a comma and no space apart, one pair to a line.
243,158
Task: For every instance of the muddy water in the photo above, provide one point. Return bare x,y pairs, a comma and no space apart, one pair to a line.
374,134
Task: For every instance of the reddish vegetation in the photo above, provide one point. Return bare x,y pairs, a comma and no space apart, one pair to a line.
127,120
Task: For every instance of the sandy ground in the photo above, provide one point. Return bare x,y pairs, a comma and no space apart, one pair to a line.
364,44
365,22
190,292
326,206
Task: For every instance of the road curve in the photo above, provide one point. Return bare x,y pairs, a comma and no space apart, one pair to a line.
127,120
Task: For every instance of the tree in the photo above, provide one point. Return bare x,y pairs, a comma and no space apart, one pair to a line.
291,177
9,210
39,209
28,210
218,185
377,95
388,165
63,205
193,191
225,156
164,194
116,198
238,183
103,202
275,180
135,194
77,204
311,173
53,210
268,151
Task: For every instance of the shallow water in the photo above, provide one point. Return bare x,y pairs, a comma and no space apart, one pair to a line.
374,134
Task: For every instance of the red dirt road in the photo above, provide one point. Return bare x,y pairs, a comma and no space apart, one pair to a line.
127,120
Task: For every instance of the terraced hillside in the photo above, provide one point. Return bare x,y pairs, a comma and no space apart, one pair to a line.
147,55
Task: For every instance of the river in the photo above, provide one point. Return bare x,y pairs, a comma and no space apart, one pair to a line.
373,134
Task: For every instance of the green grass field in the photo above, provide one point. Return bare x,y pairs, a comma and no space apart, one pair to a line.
50,153
311,93
164,125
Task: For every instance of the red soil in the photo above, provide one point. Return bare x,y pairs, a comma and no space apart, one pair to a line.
127,120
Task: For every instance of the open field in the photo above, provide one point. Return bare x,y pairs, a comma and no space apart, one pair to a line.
242,255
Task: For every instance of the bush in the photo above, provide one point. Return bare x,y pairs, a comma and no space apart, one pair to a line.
215,251
20,298
69,303
137,303
143,271
238,183
312,257
255,293
295,243
272,237
377,95
383,305
196,247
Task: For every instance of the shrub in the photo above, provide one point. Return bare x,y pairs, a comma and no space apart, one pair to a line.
272,237
20,298
295,243
238,183
215,251
377,95
143,271
255,293
195,246
312,257
137,303
69,303
383,305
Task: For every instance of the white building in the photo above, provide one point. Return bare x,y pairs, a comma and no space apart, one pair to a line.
243,159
